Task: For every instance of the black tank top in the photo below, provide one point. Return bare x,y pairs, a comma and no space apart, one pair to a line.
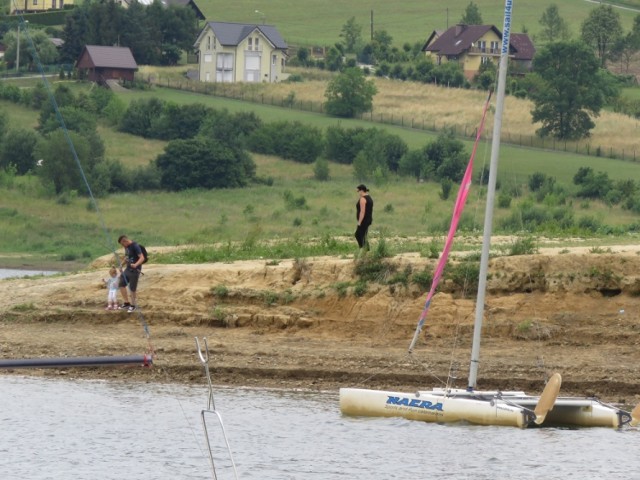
368,210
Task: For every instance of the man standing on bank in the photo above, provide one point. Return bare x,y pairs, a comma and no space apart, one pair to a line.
364,215
133,259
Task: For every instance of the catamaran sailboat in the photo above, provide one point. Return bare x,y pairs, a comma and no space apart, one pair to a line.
508,408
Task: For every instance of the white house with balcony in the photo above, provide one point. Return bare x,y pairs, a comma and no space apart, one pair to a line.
240,52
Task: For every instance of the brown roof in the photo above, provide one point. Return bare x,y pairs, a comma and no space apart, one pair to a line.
98,56
521,43
458,39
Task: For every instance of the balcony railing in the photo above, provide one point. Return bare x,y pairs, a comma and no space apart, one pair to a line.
484,51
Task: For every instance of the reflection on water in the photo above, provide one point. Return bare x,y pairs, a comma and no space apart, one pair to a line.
56,429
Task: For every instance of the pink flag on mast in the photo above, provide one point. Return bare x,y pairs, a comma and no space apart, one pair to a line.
458,207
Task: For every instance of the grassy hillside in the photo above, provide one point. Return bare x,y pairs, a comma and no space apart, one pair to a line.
315,22
34,222
460,107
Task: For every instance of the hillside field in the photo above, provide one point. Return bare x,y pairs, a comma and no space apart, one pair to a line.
311,22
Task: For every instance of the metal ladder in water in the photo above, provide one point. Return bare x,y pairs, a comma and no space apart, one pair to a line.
211,409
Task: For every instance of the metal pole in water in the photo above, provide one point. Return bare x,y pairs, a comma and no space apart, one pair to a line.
141,360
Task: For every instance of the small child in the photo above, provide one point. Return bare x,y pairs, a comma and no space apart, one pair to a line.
112,287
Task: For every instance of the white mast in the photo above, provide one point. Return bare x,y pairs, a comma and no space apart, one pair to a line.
491,191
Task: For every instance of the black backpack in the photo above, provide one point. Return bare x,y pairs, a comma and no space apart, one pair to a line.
144,253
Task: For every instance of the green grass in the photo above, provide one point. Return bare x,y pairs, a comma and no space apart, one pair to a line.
129,149
632,93
244,222
311,22
32,223
516,162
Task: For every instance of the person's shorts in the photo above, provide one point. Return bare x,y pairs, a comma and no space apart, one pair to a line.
129,278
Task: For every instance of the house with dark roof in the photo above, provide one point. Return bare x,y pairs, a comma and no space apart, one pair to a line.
473,45
240,52
107,63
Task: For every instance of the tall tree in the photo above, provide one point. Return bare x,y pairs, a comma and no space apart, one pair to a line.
17,149
381,45
155,33
601,30
471,15
203,163
352,34
76,33
36,39
625,49
554,27
58,162
349,94
571,89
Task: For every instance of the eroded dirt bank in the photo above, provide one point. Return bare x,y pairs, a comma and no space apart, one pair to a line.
298,324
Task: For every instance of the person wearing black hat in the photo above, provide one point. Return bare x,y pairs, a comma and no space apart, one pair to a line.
364,215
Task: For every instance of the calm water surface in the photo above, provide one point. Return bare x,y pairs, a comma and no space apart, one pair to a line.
68,429
14,273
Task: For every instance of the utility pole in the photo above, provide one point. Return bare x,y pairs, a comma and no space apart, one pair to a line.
18,51
372,25
18,48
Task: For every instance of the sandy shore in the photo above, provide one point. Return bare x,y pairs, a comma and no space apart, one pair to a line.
290,324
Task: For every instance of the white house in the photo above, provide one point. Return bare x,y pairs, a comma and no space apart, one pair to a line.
239,52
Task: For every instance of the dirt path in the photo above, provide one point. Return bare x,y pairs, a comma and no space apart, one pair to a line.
294,324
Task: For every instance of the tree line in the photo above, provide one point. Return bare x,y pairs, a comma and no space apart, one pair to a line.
156,34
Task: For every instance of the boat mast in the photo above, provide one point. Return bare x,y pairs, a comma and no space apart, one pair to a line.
491,191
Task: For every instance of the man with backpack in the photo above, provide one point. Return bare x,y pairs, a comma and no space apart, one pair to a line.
133,259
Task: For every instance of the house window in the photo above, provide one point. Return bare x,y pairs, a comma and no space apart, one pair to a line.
250,43
274,60
494,47
484,60
208,42
482,46
208,58
252,67
61,3
35,2
224,67
53,4
257,40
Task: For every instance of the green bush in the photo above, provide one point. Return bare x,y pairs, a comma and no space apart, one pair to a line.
360,288
504,200
294,203
422,279
371,269
199,163
321,170
523,246
139,117
464,275
290,140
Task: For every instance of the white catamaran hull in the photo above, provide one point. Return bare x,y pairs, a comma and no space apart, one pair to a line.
427,407
478,407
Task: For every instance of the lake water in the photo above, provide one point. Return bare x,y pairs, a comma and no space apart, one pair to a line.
57,429
13,273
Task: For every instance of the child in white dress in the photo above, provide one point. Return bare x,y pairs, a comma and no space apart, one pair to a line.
112,287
